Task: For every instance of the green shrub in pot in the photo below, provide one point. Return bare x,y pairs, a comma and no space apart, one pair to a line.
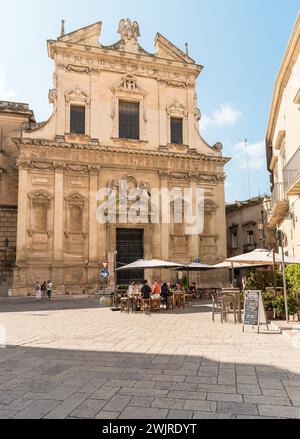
269,301
279,306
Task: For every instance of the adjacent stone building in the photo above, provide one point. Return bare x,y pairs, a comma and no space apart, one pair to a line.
12,116
247,227
119,114
283,147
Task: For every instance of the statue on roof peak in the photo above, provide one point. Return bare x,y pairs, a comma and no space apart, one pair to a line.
129,31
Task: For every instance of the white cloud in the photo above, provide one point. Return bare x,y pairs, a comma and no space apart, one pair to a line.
5,93
254,154
225,114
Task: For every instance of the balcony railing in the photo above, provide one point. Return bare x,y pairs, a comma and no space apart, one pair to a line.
279,204
291,174
278,194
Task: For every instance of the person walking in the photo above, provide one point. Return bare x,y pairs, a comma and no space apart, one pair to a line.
165,291
38,291
49,289
44,290
146,295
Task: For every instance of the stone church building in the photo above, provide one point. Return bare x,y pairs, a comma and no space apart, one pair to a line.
119,113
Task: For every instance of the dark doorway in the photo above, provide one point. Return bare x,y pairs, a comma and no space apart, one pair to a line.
130,248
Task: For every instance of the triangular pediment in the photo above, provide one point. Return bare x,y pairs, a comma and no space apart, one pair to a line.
167,50
88,35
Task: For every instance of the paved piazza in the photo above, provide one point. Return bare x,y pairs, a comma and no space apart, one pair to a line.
75,359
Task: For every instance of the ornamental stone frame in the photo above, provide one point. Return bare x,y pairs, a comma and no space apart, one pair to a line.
77,96
129,90
176,109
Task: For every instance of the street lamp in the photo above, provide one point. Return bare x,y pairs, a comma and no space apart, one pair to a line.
6,244
267,204
261,228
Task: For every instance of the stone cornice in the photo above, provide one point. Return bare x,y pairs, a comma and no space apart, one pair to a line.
60,46
118,150
78,58
85,169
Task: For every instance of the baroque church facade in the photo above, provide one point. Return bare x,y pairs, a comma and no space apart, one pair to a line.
119,113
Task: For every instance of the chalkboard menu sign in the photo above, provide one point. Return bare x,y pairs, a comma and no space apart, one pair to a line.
254,312
251,310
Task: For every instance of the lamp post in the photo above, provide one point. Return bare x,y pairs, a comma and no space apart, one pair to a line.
115,268
280,239
6,244
262,229
265,213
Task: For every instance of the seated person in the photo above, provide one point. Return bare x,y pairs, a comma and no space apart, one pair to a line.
156,290
146,291
165,291
193,288
178,287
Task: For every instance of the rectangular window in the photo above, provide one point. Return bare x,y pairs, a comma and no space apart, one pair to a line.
234,243
129,120
77,119
250,237
176,131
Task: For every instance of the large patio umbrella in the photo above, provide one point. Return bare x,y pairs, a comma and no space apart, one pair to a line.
145,264
227,264
194,266
260,256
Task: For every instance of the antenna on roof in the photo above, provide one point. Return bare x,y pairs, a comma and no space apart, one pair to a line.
248,170
62,32
187,49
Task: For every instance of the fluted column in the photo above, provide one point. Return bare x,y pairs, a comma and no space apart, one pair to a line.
93,224
165,228
58,213
22,211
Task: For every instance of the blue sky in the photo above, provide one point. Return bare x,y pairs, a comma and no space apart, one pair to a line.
240,43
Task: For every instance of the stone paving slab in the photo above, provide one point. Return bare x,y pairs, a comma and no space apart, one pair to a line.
143,413
128,367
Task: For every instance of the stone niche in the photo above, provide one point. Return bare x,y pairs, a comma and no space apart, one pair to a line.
76,225
40,224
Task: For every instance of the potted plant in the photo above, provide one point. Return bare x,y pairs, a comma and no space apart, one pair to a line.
292,305
269,305
279,306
